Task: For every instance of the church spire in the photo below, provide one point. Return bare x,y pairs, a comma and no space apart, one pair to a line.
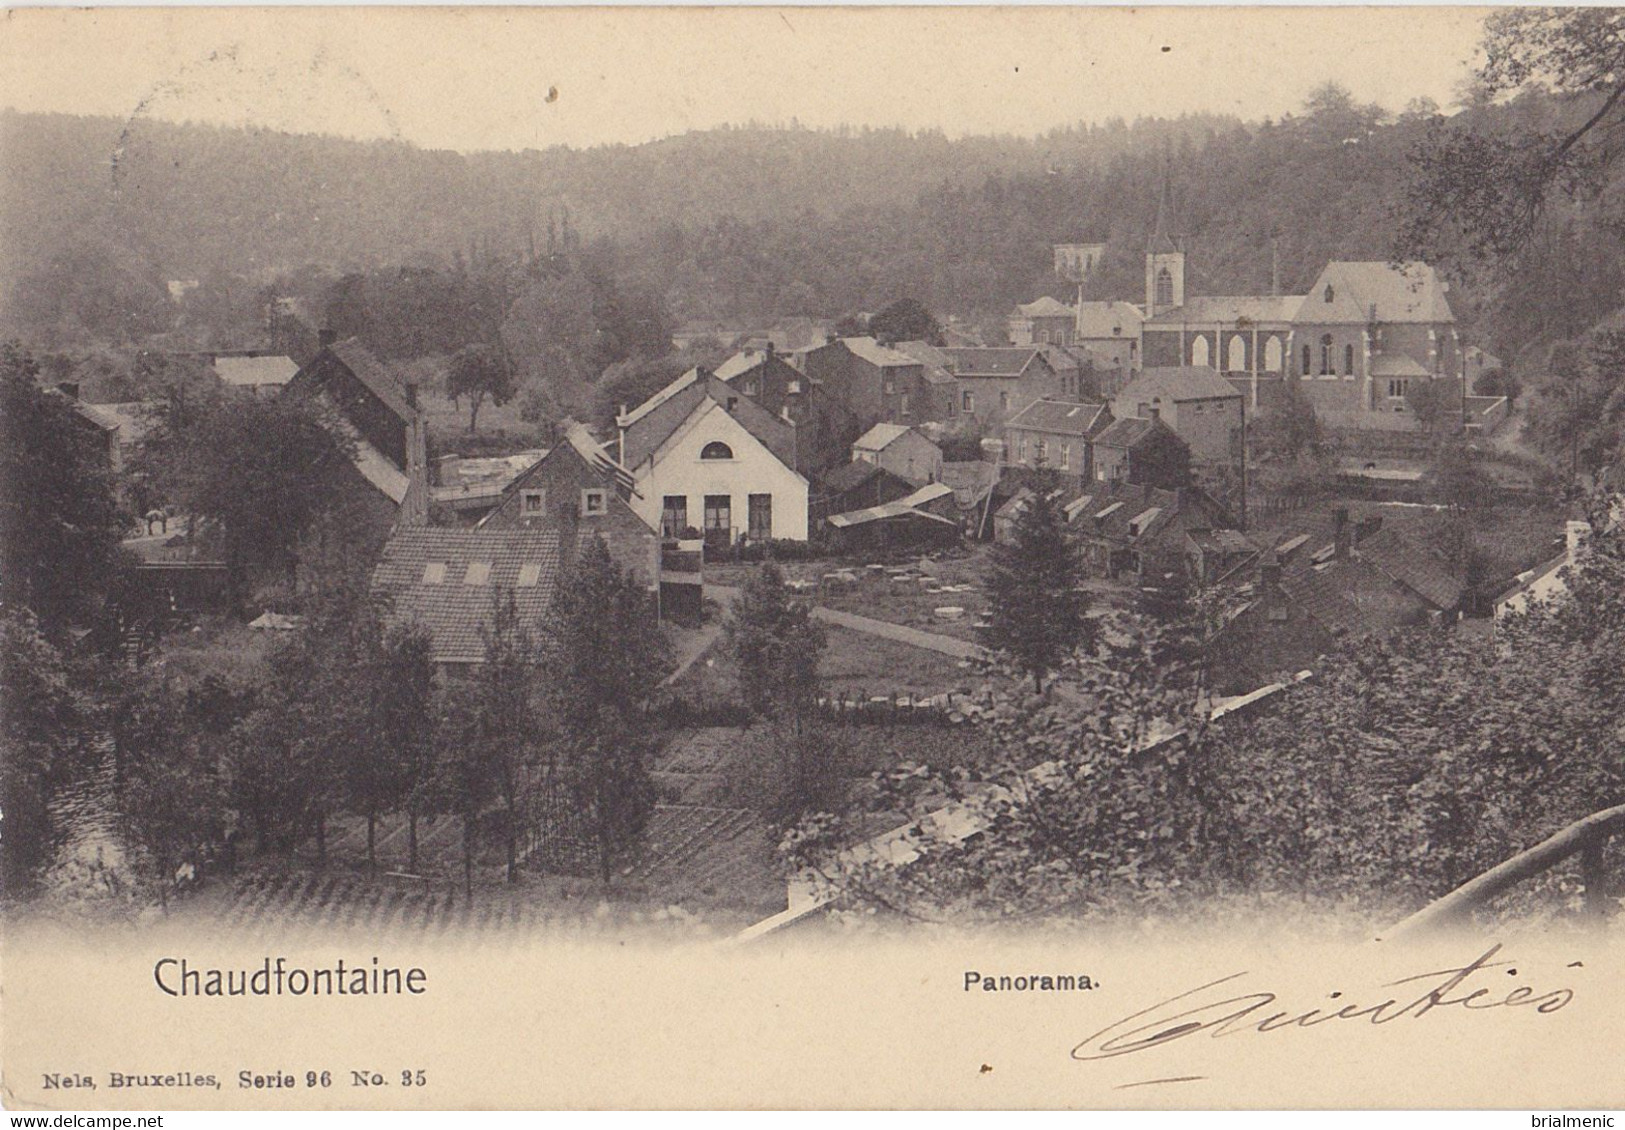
1160,241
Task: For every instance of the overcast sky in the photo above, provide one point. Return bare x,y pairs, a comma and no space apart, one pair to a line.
504,78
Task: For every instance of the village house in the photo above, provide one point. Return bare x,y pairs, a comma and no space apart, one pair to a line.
253,371
901,450
1056,433
703,456
993,384
578,490
100,426
876,383
1141,531
1548,579
1045,321
379,416
1201,407
467,488
824,425
941,396
449,582
1308,596
1140,450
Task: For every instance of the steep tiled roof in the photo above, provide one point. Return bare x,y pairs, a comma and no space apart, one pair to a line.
1351,597
1058,417
1230,310
996,361
1397,365
850,476
934,358
1416,567
652,423
1127,431
1176,383
1109,320
456,613
370,372
1409,292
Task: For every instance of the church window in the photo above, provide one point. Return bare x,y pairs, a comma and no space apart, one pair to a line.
1199,351
1306,354
1326,369
1272,354
1238,353
1348,360
1165,287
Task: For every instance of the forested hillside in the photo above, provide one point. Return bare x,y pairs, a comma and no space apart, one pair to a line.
742,225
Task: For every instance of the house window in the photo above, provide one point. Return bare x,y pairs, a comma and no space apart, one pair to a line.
1066,457
1199,351
716,449
750,388
1004,402
479,573
891,386
1165,287
902,405
760,516
969,402
594,501
1330,294
793,387
718,518
1348,360
674,515
434,573
1021,450
733,403
529,574
533,501
1398,387
1040,450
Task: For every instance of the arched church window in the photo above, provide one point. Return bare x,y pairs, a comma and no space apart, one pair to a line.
1199,351
1326,356
1348,360
1272,354
1165,287
1238,354
716,449
1306,366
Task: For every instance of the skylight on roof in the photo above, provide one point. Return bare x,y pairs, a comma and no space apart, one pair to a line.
434,573
529,574
479,573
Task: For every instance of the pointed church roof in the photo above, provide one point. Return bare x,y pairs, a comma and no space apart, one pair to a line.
1161,242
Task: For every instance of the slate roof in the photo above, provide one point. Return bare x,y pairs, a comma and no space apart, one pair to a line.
740,363
254,371
994,361
651,423
1046,307
881,436
1058,417
1397,365
1414,566
1408,292
1351,598
876,354
456,613
850,476
1177,383
370,372
1127,431
1232,310
1112,320
935,359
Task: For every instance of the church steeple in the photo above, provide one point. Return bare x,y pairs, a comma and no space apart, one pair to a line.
1164,261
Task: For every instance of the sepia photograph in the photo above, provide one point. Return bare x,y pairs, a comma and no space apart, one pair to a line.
812,557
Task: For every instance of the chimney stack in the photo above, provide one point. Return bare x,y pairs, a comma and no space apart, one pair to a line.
1341,533
771,348
411,394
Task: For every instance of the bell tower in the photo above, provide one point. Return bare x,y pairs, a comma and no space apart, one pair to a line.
1164,262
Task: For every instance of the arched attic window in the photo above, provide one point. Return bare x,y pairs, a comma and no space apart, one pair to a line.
716,449
1330,294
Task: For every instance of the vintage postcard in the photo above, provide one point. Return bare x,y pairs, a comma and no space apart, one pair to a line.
812,557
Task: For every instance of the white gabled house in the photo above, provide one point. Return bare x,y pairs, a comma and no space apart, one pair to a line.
704,456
